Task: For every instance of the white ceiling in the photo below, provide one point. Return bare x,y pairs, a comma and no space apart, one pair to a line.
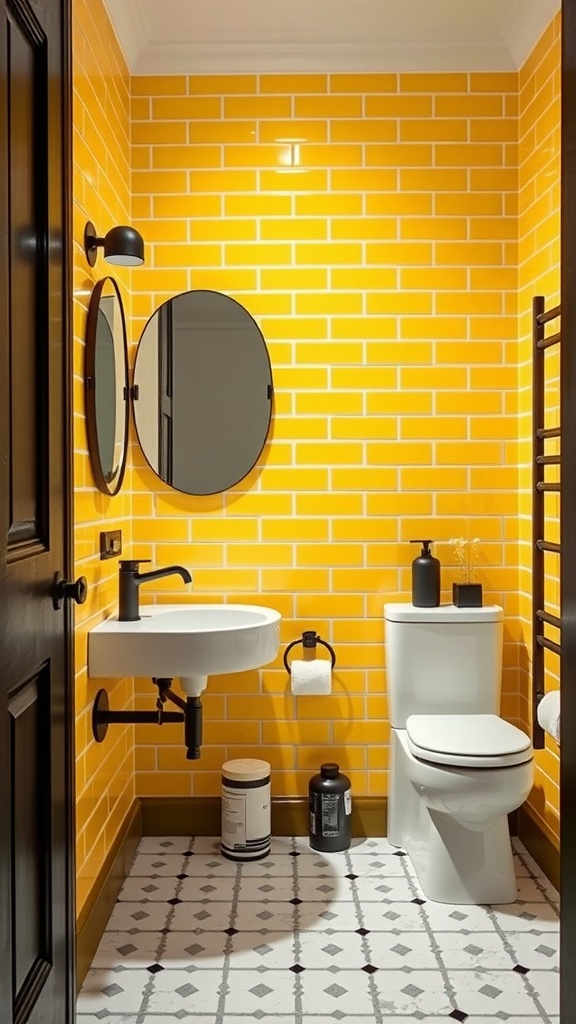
230,36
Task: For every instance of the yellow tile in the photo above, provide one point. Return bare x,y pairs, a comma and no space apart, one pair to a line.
187,255
434,278
186,206
296,732
159,133
364,378
186,108
397,303
221,85
402,454
413,203
433,327
398,106
402,154
433,479
158,85
434,130
294,279
364,529
223,529
399,402
328,254
295,530
292,229
468,106
469,352
328,205
324,304
435,180
222,181
363,83
285,180
468,402
433,83
164,783
494,179
290,131
363,180
363,479
159,181
176,157
360,278
468,453
436,377
469,302
469,253
256,107
364,130
364,427
327,106
257,206
223,230
473,204
439,427
434,227
363,228
328,403
221,132
399,253
257,254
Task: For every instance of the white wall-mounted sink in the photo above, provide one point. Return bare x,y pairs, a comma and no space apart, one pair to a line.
185,640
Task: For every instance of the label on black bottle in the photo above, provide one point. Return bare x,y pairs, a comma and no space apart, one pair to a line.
329,817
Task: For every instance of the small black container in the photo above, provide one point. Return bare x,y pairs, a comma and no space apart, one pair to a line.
425,577
330,805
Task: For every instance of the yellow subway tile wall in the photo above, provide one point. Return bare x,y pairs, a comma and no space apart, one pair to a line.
104,773
539,274
369,224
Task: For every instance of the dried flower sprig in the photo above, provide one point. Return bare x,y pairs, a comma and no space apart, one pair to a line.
466,553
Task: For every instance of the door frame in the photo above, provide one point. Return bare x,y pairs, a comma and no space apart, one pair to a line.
68,496
568,517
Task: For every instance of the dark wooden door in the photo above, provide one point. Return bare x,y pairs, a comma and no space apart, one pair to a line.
36,880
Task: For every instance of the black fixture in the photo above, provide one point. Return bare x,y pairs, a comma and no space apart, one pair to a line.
123,245
190,714
130,580
310,638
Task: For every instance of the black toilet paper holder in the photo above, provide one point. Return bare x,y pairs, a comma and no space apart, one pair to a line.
309,639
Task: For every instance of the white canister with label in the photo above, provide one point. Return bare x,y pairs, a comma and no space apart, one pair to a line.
245,809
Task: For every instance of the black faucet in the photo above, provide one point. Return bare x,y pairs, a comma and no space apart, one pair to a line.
130,579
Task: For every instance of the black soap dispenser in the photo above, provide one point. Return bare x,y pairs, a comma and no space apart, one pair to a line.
425,577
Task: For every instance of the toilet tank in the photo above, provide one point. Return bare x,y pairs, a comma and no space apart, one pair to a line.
443,660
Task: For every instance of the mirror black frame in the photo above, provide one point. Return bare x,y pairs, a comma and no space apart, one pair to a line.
90,384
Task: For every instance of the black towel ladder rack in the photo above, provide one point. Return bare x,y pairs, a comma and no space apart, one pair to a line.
542,343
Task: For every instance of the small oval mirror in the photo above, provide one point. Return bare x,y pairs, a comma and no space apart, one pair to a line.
203,392
106,386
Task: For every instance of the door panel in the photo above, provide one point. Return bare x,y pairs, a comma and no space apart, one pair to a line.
36,877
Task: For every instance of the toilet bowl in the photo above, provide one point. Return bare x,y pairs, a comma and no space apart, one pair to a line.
454,777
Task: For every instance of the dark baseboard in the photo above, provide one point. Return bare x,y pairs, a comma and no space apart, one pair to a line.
201,816
96,911
539,846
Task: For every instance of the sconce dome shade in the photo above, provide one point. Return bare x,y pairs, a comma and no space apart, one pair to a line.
123,246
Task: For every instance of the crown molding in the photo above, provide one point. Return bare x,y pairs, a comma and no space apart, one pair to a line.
264,58
129,28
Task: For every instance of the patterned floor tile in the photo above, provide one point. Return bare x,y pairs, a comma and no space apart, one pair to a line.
500,992
397,952
316,938
130,949
113,991
345,992
180,992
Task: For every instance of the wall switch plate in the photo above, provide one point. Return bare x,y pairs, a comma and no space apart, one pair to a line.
110,544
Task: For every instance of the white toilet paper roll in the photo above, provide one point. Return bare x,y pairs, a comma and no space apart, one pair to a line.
548,714
311,677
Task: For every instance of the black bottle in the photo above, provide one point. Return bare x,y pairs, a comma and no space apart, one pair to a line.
425,577
330,804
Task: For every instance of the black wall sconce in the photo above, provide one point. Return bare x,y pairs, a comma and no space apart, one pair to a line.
123,246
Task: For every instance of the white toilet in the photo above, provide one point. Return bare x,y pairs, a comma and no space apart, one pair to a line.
457,768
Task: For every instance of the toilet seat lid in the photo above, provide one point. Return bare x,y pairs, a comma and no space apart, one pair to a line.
482,741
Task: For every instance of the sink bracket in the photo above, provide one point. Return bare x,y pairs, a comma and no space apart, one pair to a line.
102,716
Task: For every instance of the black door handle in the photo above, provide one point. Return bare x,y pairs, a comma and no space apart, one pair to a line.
62,589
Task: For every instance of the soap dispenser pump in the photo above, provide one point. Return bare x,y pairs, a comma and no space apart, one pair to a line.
425,577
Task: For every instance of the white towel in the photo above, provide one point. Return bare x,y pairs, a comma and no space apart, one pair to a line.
311,676
548,714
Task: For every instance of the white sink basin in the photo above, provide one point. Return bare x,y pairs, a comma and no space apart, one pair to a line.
185,640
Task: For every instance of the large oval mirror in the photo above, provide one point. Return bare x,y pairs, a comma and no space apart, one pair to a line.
106,386
202,392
